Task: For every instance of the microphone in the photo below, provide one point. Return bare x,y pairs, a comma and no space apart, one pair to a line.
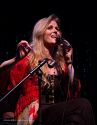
61,40
50,62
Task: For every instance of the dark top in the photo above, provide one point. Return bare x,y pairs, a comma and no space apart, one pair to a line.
54,92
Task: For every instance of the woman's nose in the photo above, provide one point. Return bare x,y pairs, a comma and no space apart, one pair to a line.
55,30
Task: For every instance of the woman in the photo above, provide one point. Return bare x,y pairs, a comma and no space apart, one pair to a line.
60,89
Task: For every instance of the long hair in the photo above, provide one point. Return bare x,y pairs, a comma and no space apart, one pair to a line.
37,41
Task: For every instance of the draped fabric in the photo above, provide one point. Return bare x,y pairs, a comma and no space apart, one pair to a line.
29,88
28,100
29,114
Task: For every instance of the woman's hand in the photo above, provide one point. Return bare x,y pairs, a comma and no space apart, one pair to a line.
68,55
23,49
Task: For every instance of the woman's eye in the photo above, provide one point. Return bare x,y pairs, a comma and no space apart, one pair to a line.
57,28
50,27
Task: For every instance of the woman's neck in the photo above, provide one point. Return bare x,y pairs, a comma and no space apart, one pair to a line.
49,52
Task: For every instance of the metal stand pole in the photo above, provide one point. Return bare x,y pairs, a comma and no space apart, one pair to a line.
31,73
39,73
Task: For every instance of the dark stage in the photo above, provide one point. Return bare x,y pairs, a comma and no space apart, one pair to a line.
79,25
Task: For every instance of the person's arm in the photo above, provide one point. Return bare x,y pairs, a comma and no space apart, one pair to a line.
8,62
23,49
70,72
68,61
74,82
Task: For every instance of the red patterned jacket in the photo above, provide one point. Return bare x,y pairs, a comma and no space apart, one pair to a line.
29,88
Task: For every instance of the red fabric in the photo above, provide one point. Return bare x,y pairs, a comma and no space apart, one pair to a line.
74,89
29,91
32,111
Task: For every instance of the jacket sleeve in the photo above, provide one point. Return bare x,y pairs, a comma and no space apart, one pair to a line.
18,72
74,89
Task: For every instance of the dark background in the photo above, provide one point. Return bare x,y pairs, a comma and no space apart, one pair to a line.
79,25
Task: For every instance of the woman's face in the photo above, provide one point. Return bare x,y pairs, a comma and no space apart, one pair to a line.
51,33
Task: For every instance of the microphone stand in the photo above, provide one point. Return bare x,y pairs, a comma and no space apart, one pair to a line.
31,73
39,73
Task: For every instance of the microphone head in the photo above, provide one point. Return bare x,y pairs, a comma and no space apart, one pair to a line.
60,40
51,63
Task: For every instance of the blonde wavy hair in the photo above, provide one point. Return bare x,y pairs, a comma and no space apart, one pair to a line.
37,42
